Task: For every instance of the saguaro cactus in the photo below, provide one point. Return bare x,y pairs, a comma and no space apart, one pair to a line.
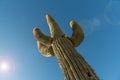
73,66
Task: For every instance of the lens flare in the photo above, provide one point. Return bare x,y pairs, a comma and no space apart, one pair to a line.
7,66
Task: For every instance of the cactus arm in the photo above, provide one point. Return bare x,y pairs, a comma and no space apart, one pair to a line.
78,35
43,43
41,37
54,27
46,51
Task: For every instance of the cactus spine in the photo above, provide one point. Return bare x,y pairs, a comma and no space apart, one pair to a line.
72,64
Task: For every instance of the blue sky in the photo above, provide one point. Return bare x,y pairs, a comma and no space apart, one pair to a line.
99,19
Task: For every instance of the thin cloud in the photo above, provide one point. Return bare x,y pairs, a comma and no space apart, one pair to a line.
110,16
89,26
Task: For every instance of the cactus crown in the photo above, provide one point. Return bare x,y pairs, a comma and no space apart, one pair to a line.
76,38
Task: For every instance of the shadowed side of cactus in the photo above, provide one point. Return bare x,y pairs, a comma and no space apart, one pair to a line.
72,64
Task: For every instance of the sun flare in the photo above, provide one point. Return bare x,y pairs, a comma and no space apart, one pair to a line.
6,66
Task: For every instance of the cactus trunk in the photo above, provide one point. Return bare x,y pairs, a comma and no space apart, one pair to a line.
72,64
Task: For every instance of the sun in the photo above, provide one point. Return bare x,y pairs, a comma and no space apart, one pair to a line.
7,66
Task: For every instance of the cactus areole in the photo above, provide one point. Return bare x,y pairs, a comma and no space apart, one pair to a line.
72,64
